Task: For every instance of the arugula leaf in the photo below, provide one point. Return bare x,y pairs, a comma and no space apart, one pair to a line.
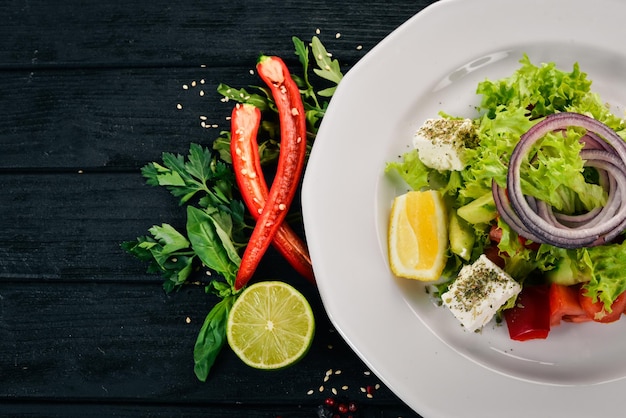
328,68
243,96
211,338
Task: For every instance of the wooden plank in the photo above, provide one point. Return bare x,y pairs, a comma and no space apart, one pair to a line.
69,226
118,343
117,119
159,32
54,410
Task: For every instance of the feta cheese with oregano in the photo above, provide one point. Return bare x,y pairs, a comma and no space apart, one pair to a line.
479,291
441,143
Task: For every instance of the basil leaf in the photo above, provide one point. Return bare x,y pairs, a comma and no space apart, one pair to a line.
211,338
210,244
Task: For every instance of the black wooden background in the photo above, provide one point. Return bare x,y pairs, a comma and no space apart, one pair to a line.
89,93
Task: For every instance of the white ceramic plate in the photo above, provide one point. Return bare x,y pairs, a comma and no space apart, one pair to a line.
433,62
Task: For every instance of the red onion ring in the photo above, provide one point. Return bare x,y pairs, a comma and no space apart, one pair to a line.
535,220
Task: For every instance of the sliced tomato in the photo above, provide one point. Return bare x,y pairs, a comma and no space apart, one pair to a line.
530,317
565,306
596,310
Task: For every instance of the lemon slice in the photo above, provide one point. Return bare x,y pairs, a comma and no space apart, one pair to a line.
270,325
418,235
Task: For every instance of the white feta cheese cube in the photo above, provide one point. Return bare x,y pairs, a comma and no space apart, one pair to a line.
478,292
441,143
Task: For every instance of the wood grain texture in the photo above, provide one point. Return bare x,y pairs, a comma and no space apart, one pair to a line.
89,93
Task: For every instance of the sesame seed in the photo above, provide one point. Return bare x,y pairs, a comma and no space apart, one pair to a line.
334,391
327,68
203,124
337,35
298,140
321,389
359,47
330,346
208,272
244,171
185,87
362,389
318,31
369,395
251,72
294,111
193,83
202,65
179,106
215,125
202,81
338,372
326,378
344,387
367,372
282,206
252,175
188,320
201,92
310,392
377,386
80,171
202,117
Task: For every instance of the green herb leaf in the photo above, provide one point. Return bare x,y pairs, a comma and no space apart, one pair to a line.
243,96
328,68
201,172
211,243
167,253
211,338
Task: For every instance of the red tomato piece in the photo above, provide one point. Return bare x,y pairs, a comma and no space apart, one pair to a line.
596,310
565,305
530,317
493,253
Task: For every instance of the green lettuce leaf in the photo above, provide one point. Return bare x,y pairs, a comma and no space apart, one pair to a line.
608,280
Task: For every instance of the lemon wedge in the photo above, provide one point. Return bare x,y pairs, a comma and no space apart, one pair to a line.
418,235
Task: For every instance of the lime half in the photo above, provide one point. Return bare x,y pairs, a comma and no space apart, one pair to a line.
270,326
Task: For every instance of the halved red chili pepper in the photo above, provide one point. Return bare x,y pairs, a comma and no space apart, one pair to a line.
245,123
286,94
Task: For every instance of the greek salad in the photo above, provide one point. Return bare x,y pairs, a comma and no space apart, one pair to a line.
535,192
